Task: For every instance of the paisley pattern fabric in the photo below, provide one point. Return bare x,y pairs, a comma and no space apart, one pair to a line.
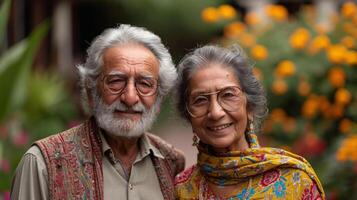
257,173
74,163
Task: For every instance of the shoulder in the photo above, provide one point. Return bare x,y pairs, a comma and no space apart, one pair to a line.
69,136
187,183
167,149
306,185
289,182
30,178
185,175
33,157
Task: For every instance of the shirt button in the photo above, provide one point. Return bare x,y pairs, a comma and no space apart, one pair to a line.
130,186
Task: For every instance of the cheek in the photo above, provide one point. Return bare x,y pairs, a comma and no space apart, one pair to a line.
196,125
107,97
241,119
148,101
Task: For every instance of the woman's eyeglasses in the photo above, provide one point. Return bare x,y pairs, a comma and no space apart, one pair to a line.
229,98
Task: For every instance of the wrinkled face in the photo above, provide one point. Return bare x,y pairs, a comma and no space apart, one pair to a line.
127,112
219,128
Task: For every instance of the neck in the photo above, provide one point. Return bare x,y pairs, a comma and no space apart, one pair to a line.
124,149
240,145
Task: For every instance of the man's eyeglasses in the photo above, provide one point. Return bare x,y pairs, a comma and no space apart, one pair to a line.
229,98
116,84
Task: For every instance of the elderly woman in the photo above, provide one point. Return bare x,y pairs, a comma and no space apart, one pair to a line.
218,94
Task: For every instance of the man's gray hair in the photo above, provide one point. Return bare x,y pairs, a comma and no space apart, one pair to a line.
126,34
234,58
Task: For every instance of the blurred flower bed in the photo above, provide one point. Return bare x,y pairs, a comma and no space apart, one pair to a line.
34,104
309,71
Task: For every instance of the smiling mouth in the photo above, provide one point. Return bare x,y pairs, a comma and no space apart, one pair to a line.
220,127
128,112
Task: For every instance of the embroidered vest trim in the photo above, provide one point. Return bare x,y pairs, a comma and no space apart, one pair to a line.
74,163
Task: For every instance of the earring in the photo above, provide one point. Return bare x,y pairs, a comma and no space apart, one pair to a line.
195,140
250,126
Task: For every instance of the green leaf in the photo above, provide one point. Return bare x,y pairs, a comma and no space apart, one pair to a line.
4,14
14,70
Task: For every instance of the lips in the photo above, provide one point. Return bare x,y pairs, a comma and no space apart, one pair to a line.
129,114
219,127
128,111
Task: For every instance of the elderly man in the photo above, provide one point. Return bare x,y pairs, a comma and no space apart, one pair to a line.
111,156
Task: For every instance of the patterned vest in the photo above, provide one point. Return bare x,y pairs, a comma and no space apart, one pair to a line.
74,163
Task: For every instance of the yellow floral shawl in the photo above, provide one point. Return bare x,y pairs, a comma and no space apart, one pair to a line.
259,173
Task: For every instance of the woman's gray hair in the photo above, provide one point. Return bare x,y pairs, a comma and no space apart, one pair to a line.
126,34
233,57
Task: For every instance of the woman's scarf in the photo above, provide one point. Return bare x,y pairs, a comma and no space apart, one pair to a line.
236,166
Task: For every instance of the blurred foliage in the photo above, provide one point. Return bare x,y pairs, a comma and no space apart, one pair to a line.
309,71
33,104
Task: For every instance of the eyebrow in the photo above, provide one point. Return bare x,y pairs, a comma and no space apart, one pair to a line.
205,92
116,72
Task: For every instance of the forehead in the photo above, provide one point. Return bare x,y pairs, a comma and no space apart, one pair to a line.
212,77
130,58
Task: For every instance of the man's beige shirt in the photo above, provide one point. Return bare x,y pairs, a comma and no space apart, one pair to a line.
30,181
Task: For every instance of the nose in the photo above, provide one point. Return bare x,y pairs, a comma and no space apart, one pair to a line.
130,96
215,110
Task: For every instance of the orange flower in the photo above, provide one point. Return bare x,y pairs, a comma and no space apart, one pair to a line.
279,87
299,38
319,42
304,88
285,68
252,18
289,124
247,40
210,15
337,77
348,9
321,28
234,29
348,42
227,11
354,19
336,53
325,105
351,57
342,155
342,96
336,111
348,149
345,125
277,115
310,107
277,12
348,27
259,52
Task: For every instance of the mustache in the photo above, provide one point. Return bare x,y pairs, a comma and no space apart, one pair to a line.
118,106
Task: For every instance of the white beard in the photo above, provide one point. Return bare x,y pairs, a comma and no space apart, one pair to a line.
124,127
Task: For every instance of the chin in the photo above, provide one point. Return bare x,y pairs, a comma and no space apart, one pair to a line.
220,145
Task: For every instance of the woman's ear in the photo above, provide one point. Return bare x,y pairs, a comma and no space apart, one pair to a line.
250,114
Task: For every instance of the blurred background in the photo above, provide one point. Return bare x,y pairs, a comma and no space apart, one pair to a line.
304,52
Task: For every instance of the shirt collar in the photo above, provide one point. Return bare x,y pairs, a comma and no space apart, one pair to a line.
146,147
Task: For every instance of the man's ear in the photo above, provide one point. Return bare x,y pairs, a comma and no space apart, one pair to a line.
159,109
